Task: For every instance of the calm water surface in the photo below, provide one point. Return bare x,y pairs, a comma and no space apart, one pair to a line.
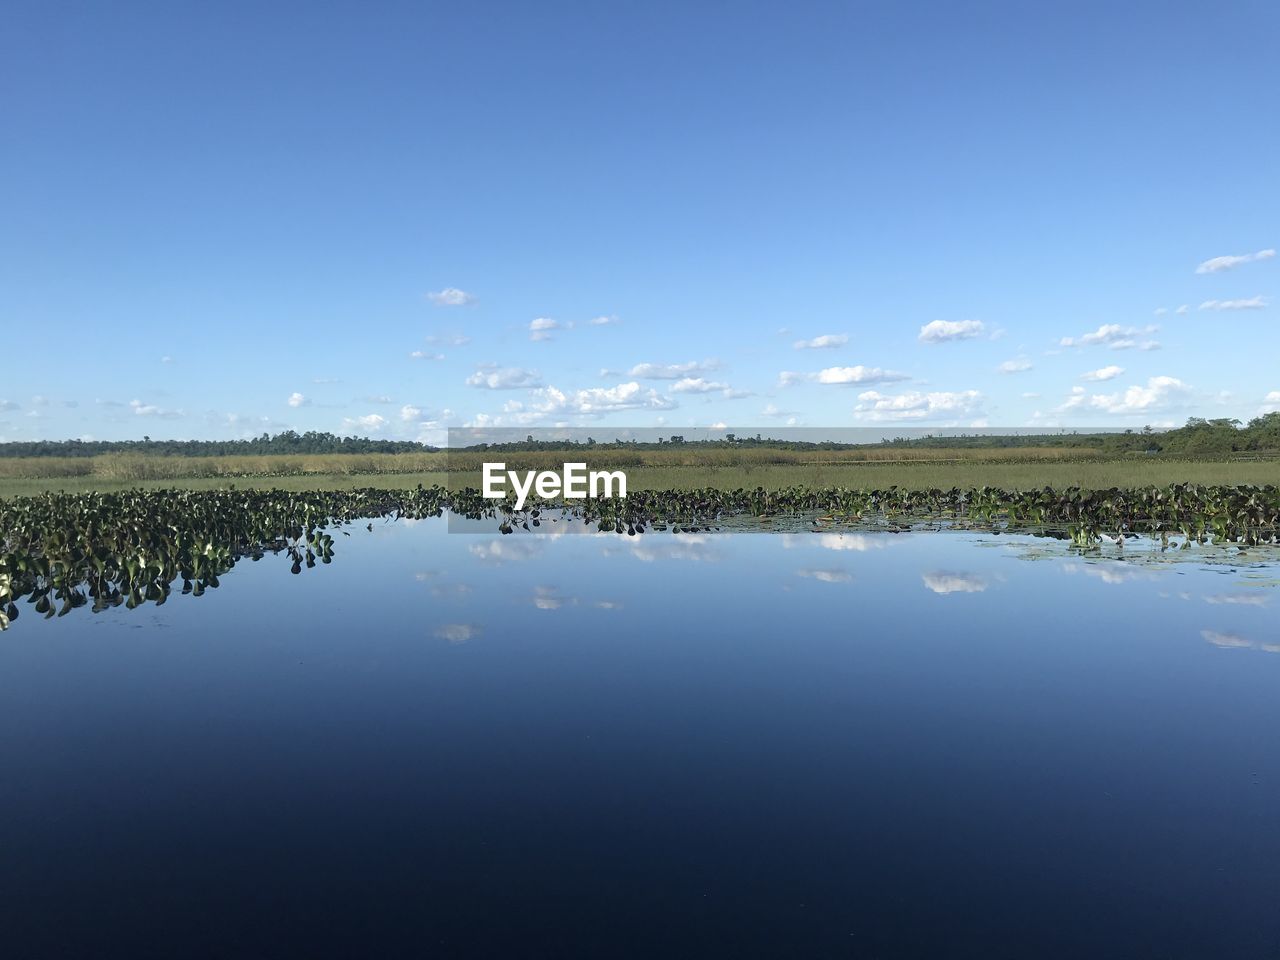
858,745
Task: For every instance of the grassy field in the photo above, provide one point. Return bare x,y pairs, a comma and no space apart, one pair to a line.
1013,469
140,466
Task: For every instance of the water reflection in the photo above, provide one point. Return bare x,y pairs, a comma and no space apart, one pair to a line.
858,542
544,598
509,550
1254,598
654,547
956,582
1108,571
826,576
1233,641
458,632
770,742
612,566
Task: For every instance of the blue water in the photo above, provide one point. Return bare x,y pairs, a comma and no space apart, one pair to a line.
453,745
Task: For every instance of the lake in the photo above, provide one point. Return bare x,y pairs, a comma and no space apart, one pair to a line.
857,744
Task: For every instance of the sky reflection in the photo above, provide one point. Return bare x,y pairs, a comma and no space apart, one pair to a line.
804,731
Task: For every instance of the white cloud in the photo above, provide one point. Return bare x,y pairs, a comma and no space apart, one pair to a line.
504,378
1253,303
671,371
940,331
378,398
858,374
410,412
166,359
916,406
1103,373
701,385
451,297
597,400
149,410
826,341
1182,309
542,327
1017,365
842,375
297,400
423,355
605,321
370,421
1078,396
1158,393
1271,403
247,425
434,433
1218,264
9,405
1160,311
448,339
1114,336
551,403
698,385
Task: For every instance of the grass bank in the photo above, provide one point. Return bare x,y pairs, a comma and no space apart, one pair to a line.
134,466
920,473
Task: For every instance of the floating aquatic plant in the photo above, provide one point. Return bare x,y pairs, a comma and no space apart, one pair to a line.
59,552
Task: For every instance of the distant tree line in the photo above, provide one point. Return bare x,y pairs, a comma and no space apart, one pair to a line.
287,442
1198,437
1210,437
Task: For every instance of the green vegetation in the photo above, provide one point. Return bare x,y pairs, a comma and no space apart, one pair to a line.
1199,437
120,533
135,467
1203,451
288,442
65,551
920,469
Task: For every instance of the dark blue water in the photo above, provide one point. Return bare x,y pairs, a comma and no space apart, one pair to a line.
929,745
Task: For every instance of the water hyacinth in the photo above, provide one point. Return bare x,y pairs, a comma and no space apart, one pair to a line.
60,552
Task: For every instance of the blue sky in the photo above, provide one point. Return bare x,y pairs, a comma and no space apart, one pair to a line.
389,218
